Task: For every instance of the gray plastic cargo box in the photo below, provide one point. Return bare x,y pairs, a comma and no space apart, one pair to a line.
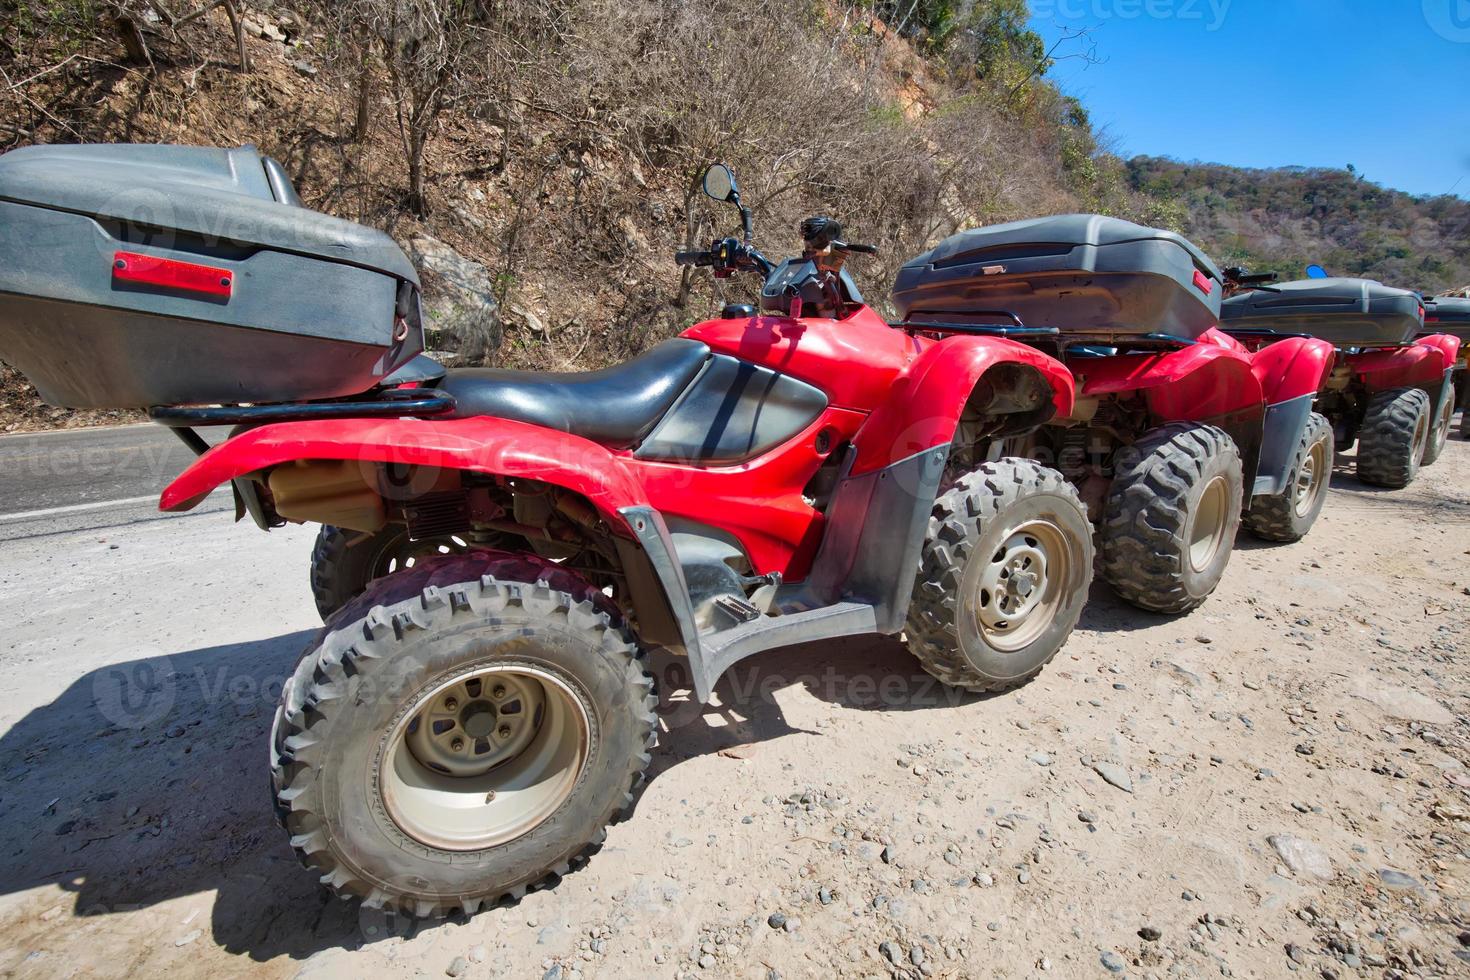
1447,314
1347,312
1081,273
134,276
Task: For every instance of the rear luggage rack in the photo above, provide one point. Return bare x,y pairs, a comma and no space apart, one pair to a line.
393,403
1017,329
1260,332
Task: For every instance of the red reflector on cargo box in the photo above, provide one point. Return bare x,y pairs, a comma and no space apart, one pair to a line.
1203,282
150,270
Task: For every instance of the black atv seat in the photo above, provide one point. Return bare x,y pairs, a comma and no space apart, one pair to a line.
615,407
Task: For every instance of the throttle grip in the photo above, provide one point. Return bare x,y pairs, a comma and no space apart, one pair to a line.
694,258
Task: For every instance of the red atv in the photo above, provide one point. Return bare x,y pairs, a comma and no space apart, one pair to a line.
505,548
1391,390
1177,432
1451,315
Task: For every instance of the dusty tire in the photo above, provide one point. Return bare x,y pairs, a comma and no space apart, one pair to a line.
1439,427
1171,516
1290,516
1393,438
1003,527
374,799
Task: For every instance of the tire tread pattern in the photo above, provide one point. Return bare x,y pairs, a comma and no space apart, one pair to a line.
956,523
1386,441
1145,517
1273,518
368,629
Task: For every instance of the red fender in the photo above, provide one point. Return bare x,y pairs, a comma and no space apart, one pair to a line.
1293,368
1221,339
925,401
1422,364
1193,384
1447,344
484,445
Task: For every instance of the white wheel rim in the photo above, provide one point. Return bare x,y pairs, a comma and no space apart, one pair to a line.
1421,436
1311,478
1021,586
485,757
1207,528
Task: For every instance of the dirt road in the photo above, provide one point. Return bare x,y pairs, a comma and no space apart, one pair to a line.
1275,785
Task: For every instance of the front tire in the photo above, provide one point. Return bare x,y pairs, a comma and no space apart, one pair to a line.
1394,436
1289,516
1439,432
1171,517
1003,577
462,731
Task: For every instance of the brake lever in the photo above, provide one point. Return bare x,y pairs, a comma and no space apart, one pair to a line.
853,247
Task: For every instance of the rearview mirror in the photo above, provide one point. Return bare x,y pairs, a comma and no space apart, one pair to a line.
719,183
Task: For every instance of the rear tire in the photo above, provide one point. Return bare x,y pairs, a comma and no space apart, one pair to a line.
1171,516
1003,576
1394,436
1289,516
344,562
462,731
1439,431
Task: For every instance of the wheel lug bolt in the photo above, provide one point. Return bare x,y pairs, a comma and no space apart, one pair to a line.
457,744
503,731
498,691
451,703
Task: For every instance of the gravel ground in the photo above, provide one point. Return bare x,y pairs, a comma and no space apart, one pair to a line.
1274,785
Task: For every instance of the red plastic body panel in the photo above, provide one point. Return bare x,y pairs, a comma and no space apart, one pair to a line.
890,394
853,360
926,401
1293,368
760,501
1419,364
1221,339
481,445
1193,384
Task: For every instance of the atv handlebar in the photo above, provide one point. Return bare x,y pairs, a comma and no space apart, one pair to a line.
695,258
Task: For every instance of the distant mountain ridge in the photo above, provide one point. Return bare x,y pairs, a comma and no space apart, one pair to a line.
1282,219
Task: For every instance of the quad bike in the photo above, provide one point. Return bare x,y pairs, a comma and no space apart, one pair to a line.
1177,434
1391,389
466,725
1451,315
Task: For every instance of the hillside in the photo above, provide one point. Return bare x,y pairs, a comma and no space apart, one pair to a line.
556,143
1281,220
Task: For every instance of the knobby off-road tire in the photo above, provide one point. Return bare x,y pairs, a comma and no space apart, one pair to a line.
344,562
1290,515
1003,577
1439,427
389,802
1394,436
1171,516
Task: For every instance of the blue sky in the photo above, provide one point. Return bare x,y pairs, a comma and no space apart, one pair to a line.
1380,84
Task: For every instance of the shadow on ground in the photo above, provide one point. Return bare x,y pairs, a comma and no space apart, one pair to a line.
146,781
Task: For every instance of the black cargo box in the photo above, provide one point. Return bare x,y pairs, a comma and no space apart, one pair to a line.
1448,314
1080,273
133,276
1347,312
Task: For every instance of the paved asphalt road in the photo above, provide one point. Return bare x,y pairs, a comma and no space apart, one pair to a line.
53,482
